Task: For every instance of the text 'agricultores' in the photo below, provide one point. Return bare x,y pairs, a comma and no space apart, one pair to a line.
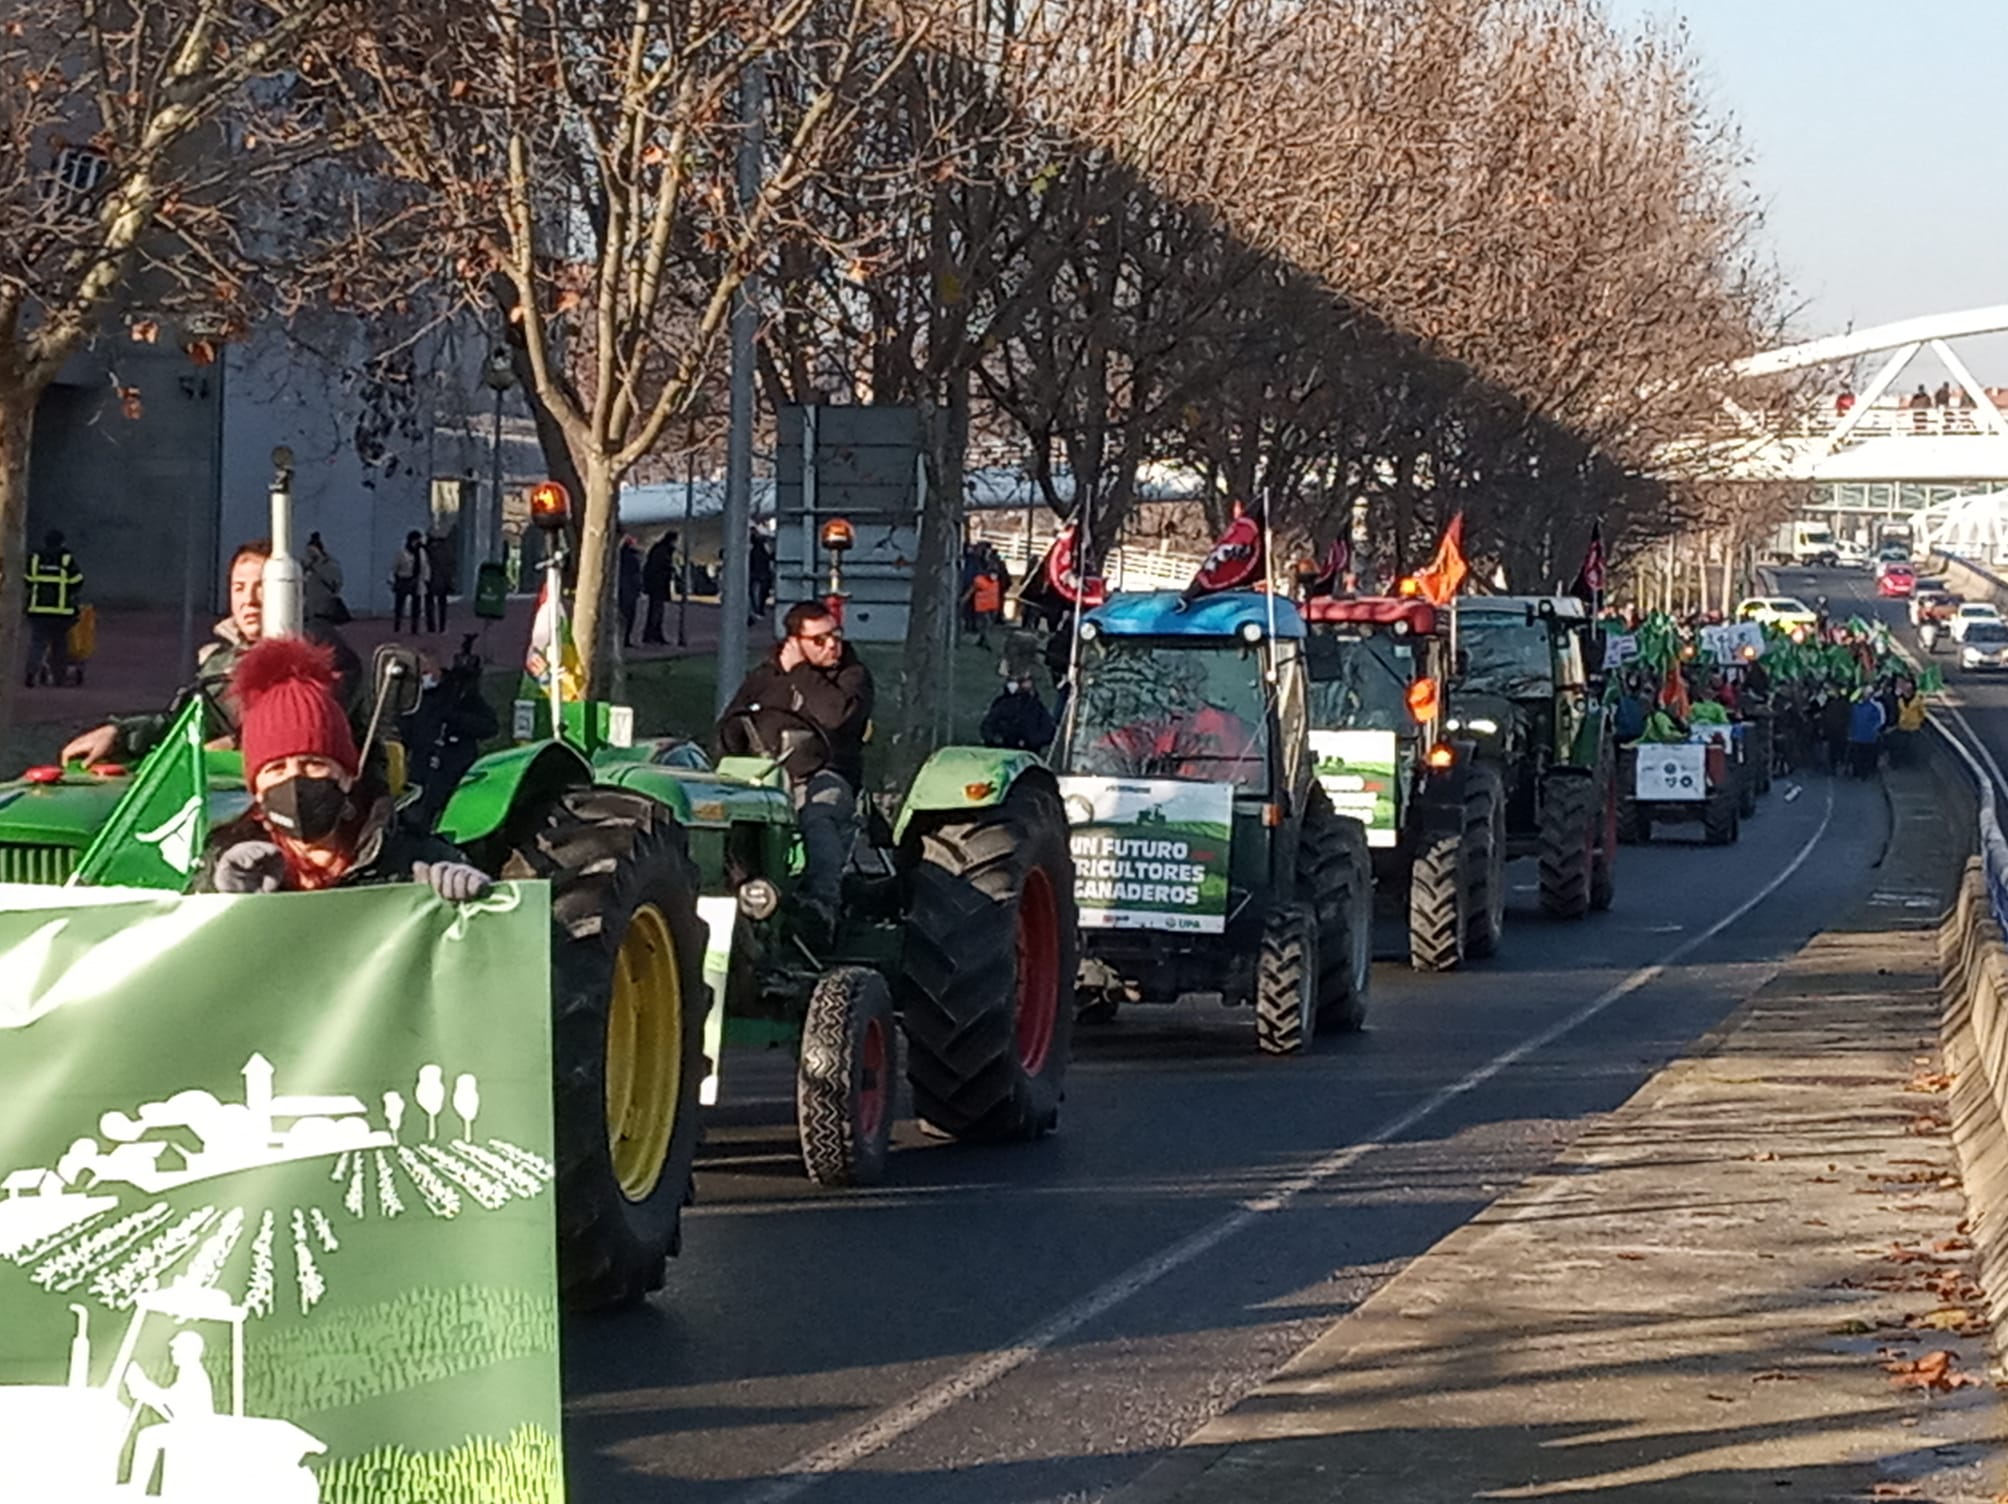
1106,867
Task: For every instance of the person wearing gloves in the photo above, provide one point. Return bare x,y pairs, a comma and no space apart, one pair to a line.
315,823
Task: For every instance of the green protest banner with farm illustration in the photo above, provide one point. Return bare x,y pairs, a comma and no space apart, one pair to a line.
1150,853
276,1206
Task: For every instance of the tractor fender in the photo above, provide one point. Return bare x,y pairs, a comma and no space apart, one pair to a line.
1439,797
957,778
496,786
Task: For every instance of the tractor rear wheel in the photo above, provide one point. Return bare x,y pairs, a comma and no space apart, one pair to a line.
987,983
1604,860
1335,875
628,1005
1484,862
1568,841
1746,789
1286,980
846,1080
1720,820
1437,901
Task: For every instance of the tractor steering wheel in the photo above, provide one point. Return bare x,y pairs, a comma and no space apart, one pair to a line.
747,725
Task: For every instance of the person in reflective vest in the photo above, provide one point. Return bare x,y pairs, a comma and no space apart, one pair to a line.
52,583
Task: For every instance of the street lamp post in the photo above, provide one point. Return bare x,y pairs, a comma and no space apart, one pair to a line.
498,377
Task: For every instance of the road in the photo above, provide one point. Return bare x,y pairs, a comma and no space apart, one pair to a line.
1037,1325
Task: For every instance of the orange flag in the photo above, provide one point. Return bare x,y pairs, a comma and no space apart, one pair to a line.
1673,692
1439,579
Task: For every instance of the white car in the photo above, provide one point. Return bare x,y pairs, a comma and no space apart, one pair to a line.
1784,611
1985,646
1851,556
1970,613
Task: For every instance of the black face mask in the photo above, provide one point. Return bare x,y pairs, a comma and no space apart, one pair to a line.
307,809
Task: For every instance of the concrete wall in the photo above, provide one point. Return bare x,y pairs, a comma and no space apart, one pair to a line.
135,495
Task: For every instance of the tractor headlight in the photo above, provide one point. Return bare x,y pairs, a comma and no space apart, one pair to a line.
758,899
1251,632
1483,725
1090,631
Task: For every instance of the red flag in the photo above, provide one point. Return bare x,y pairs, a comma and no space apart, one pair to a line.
1236,560
1589,586
1061,581
1439,579
1331,570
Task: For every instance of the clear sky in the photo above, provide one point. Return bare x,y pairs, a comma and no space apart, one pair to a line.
1879,132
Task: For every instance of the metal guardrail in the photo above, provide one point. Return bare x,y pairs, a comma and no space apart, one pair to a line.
1993,846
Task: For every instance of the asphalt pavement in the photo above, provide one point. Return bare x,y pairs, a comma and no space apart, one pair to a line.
1040,1324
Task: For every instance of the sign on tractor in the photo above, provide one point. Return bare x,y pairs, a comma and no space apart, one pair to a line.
1358,771
1150,854
1673,773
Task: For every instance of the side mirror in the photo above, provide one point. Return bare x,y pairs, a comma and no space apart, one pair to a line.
394,681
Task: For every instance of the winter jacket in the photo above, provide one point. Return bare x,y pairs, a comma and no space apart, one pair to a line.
838,702
386,847
1018,719
215,661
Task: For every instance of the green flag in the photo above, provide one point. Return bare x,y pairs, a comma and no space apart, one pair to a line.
156,833
277,1209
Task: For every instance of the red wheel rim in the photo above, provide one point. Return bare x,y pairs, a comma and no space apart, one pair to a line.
1038,970
872,1083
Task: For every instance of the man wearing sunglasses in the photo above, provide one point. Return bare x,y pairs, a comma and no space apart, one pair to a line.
808,705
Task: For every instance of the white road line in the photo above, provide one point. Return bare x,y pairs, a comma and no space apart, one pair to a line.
909,1415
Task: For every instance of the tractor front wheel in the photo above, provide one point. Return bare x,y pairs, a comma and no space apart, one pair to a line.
1568,843
988,971
1484,862
628,1005
1335,875
847,1078
1286,980
1721,822
1437,903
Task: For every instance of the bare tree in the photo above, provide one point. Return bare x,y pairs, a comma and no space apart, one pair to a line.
133,140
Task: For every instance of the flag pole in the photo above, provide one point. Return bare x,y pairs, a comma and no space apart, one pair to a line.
1269,587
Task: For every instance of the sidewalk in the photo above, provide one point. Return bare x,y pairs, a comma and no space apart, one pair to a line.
1735,1288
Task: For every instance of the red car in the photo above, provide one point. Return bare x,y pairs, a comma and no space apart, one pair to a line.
1899,580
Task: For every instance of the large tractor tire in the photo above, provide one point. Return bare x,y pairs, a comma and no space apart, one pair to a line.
1604,860
987,977
1286,980
628,1005
1746,788
847,1078
1484,862
1721,822
1764,741
1437,901
1568,843
1335,876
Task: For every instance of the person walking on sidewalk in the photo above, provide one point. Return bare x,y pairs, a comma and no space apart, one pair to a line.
628,586
439,574
321,586
52,581
407,580
657,570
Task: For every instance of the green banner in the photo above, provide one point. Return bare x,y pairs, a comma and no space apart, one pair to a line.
276,1205
1360,774
1150,854
156,833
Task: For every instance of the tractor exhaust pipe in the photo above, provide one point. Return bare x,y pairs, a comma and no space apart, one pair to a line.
282,610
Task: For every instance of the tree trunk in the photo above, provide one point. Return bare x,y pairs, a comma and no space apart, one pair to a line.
592,623
925,692
17,424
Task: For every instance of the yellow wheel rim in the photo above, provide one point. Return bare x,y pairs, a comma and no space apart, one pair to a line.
644,1067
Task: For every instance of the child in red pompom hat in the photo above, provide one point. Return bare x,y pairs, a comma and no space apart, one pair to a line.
311,826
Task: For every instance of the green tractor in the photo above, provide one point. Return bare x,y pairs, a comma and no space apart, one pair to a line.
1521,695
1208,857
1435,814
673,881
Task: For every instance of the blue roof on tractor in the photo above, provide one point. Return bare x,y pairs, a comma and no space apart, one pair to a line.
1156,613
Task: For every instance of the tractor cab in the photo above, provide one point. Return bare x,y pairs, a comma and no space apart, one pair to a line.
1201,837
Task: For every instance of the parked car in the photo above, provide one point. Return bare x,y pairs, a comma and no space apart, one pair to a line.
1970,614
1985,646
1897,581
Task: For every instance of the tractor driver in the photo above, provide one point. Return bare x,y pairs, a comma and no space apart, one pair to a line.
316,821
185,1397
809,704
132,737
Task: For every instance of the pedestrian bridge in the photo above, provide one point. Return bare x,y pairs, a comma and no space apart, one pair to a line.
1959,439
